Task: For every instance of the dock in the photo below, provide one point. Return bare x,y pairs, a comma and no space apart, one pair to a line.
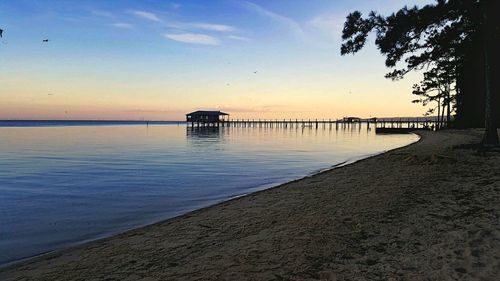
381,125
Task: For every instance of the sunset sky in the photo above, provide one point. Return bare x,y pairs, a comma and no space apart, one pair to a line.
157,60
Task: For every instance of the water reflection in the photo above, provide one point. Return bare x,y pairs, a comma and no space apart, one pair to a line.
193,132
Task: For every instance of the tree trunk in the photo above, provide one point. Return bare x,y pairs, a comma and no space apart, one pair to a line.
441,122
439,110
490,134
448,105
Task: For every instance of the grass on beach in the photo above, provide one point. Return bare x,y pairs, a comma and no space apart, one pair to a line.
426,211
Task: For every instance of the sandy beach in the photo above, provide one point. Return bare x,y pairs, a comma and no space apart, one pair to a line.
428,211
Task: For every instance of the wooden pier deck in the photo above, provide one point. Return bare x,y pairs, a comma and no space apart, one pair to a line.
382,125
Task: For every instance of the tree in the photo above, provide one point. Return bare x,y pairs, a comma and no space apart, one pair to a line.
435,87
437,37
488,32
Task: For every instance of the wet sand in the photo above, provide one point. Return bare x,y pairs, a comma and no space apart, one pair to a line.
428,211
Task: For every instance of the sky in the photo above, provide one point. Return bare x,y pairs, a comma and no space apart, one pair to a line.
160,59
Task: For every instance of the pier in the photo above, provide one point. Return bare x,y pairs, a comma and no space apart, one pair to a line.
381,125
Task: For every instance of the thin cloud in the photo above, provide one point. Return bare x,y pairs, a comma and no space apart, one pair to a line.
121,25
202,26
328,23
146,15
212,27
193,38
239,38
291,24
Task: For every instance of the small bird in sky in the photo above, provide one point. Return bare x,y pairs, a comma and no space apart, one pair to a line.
45,40
227,84
50,94
1,33
255,72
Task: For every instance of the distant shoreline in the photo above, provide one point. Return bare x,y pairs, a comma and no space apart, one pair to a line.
59,123
96,121
84,120
409,213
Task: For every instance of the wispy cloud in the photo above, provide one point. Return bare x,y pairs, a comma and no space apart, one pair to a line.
185,25
121,25
291,24
329,23
202,26
239,38
146,15
212,26
193,38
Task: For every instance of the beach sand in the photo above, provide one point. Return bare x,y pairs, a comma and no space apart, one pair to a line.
428,211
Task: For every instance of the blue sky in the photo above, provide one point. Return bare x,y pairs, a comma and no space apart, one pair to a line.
159,59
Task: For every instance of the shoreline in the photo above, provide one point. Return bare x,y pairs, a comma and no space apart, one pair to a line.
78,244
365,219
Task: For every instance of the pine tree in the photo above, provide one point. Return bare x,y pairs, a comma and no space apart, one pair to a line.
437,37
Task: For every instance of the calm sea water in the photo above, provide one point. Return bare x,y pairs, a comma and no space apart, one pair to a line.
64,183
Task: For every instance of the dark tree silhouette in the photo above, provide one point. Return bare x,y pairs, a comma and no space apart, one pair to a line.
443,40
488,35
436,87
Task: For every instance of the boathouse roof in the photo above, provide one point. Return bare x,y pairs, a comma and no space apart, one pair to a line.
207,113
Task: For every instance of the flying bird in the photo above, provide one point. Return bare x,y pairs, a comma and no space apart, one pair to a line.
45,40
1,33
255,72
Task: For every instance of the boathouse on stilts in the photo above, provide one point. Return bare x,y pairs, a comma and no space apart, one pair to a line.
203,118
